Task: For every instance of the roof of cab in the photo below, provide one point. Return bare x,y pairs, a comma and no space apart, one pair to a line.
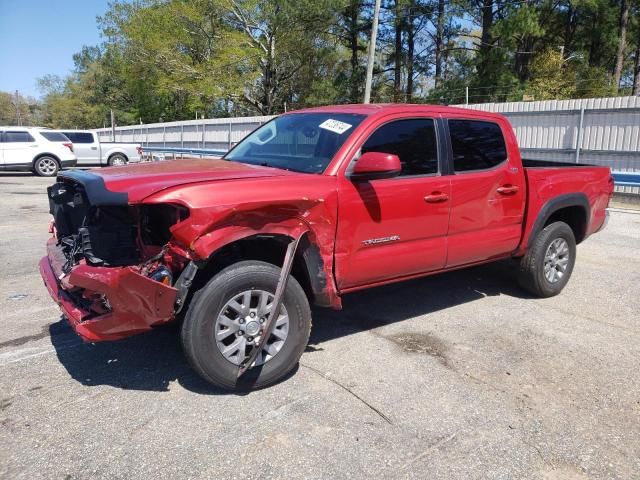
386,108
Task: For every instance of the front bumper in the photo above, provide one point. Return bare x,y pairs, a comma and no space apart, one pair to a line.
136,302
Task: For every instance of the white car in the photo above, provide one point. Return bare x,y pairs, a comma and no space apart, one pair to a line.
93,152
34,149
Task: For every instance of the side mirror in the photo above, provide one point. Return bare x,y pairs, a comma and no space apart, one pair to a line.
376,165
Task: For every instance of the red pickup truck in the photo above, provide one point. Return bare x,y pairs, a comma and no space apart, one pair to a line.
309,207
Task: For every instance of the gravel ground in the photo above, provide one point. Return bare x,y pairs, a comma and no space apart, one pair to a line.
459,375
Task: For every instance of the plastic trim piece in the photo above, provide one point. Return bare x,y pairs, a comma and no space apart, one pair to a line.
95,189
558,203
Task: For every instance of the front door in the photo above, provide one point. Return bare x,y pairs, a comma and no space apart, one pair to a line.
395,227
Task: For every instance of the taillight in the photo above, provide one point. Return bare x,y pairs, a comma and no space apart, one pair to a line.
139,149
69,146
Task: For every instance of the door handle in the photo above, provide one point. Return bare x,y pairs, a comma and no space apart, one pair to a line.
94,148
508,189
436,197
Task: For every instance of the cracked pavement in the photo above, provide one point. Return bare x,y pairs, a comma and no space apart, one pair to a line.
460,375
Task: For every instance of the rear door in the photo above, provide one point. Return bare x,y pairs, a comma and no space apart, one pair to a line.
395,227
487,192
19,147
85,147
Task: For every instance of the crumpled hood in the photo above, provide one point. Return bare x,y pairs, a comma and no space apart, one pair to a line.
133,183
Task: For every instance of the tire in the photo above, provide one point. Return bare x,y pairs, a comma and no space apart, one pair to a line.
117,159
46,166
532,275
201,324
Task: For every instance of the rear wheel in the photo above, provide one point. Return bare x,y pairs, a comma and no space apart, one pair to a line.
117,159
226,318
547,266
46,166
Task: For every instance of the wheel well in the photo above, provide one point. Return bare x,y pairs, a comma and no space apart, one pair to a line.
269,249
40,155
575,217
118,153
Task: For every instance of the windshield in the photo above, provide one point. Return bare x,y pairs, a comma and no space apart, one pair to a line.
302,142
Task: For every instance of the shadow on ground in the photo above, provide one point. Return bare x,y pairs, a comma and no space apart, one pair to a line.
393,303
151,361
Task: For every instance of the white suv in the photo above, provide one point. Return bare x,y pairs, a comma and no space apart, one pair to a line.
39,150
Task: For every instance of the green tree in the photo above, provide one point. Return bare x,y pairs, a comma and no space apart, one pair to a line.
17,109
174,59
552,77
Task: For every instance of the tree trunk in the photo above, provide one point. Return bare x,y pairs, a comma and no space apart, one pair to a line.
486,41
397,68
636,71
352,15
487,25
570,28
622,42
523,57
439,41
595,53
270,77
409,28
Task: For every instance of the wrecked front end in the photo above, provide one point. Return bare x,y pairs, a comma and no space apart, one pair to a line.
111,266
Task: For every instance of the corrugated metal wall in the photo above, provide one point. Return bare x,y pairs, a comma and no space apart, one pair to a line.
546,130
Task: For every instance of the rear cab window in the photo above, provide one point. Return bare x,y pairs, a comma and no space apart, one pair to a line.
80,137
476,145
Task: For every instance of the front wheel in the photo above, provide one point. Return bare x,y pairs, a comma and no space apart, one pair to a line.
547,266
225,320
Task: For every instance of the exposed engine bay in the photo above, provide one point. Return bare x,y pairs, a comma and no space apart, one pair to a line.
109,235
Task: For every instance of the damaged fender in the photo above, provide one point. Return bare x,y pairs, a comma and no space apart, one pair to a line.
208,229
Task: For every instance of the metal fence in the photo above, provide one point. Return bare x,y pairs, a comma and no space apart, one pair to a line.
601,131
215,134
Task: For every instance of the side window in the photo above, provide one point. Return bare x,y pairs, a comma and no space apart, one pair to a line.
19,137
413,140
476,145
54,136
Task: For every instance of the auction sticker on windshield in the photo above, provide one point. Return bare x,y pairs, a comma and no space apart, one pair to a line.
335,126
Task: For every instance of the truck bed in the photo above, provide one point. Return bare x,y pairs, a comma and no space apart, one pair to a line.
548,181
531,163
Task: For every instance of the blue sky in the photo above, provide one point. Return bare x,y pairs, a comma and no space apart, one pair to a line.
40,37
